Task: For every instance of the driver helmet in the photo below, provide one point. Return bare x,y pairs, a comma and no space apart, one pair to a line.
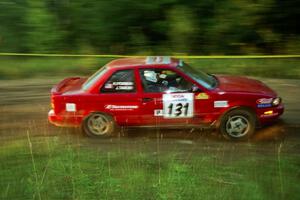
150,76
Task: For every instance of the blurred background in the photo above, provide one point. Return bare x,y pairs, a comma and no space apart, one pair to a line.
150,26
40,161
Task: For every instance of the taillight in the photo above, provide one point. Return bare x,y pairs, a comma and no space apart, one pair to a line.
52,102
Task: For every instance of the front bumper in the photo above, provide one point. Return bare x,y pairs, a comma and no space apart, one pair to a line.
65,119
267,115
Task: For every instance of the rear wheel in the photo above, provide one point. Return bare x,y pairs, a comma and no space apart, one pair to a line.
99,125
238,124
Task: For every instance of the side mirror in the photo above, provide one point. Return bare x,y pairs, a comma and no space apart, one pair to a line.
195,88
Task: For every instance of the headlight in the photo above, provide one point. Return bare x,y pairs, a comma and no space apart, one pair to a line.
276,101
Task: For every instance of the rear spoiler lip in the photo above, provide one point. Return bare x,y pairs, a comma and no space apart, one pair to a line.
55,90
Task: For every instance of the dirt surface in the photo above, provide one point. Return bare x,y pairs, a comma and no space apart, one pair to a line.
24,105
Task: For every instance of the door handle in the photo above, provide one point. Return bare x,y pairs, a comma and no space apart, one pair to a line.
146,99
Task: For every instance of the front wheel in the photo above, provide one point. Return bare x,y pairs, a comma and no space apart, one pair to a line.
238,124
98,125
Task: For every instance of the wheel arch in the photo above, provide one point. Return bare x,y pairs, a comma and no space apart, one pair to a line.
242,107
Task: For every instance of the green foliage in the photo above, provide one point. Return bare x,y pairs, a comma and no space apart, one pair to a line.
152,27
181,29
43,34
12,27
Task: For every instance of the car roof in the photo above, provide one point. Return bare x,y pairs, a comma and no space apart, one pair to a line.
144,62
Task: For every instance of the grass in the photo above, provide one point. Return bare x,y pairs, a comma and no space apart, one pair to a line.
20,67
55,168
273,68
15,68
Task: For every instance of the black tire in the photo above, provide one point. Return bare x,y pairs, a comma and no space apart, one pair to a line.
99,125
238,124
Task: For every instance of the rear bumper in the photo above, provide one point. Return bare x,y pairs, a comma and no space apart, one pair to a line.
268,115
65,119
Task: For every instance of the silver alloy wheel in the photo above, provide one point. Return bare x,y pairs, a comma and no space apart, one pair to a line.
98,124
237,126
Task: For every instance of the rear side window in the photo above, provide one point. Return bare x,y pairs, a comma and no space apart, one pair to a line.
122,81
94,78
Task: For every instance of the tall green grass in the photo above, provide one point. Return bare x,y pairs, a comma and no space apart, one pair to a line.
52,168
21,67
18,67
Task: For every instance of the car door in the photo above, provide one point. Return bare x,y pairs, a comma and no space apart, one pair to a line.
119,97
167,98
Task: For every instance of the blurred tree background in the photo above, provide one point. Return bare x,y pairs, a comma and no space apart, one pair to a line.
150,26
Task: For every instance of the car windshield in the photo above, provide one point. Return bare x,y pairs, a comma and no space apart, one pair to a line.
91,81
206,80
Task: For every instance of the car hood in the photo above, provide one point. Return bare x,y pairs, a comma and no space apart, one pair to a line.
243,84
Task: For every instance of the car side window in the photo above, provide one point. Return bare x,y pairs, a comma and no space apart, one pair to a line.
163,80
122,81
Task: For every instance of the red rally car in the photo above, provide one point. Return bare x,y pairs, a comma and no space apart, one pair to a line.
162,92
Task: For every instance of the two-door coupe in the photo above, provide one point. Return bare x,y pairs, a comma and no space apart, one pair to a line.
162,92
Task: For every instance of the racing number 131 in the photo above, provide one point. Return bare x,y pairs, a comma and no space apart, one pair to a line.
179,105
179,109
